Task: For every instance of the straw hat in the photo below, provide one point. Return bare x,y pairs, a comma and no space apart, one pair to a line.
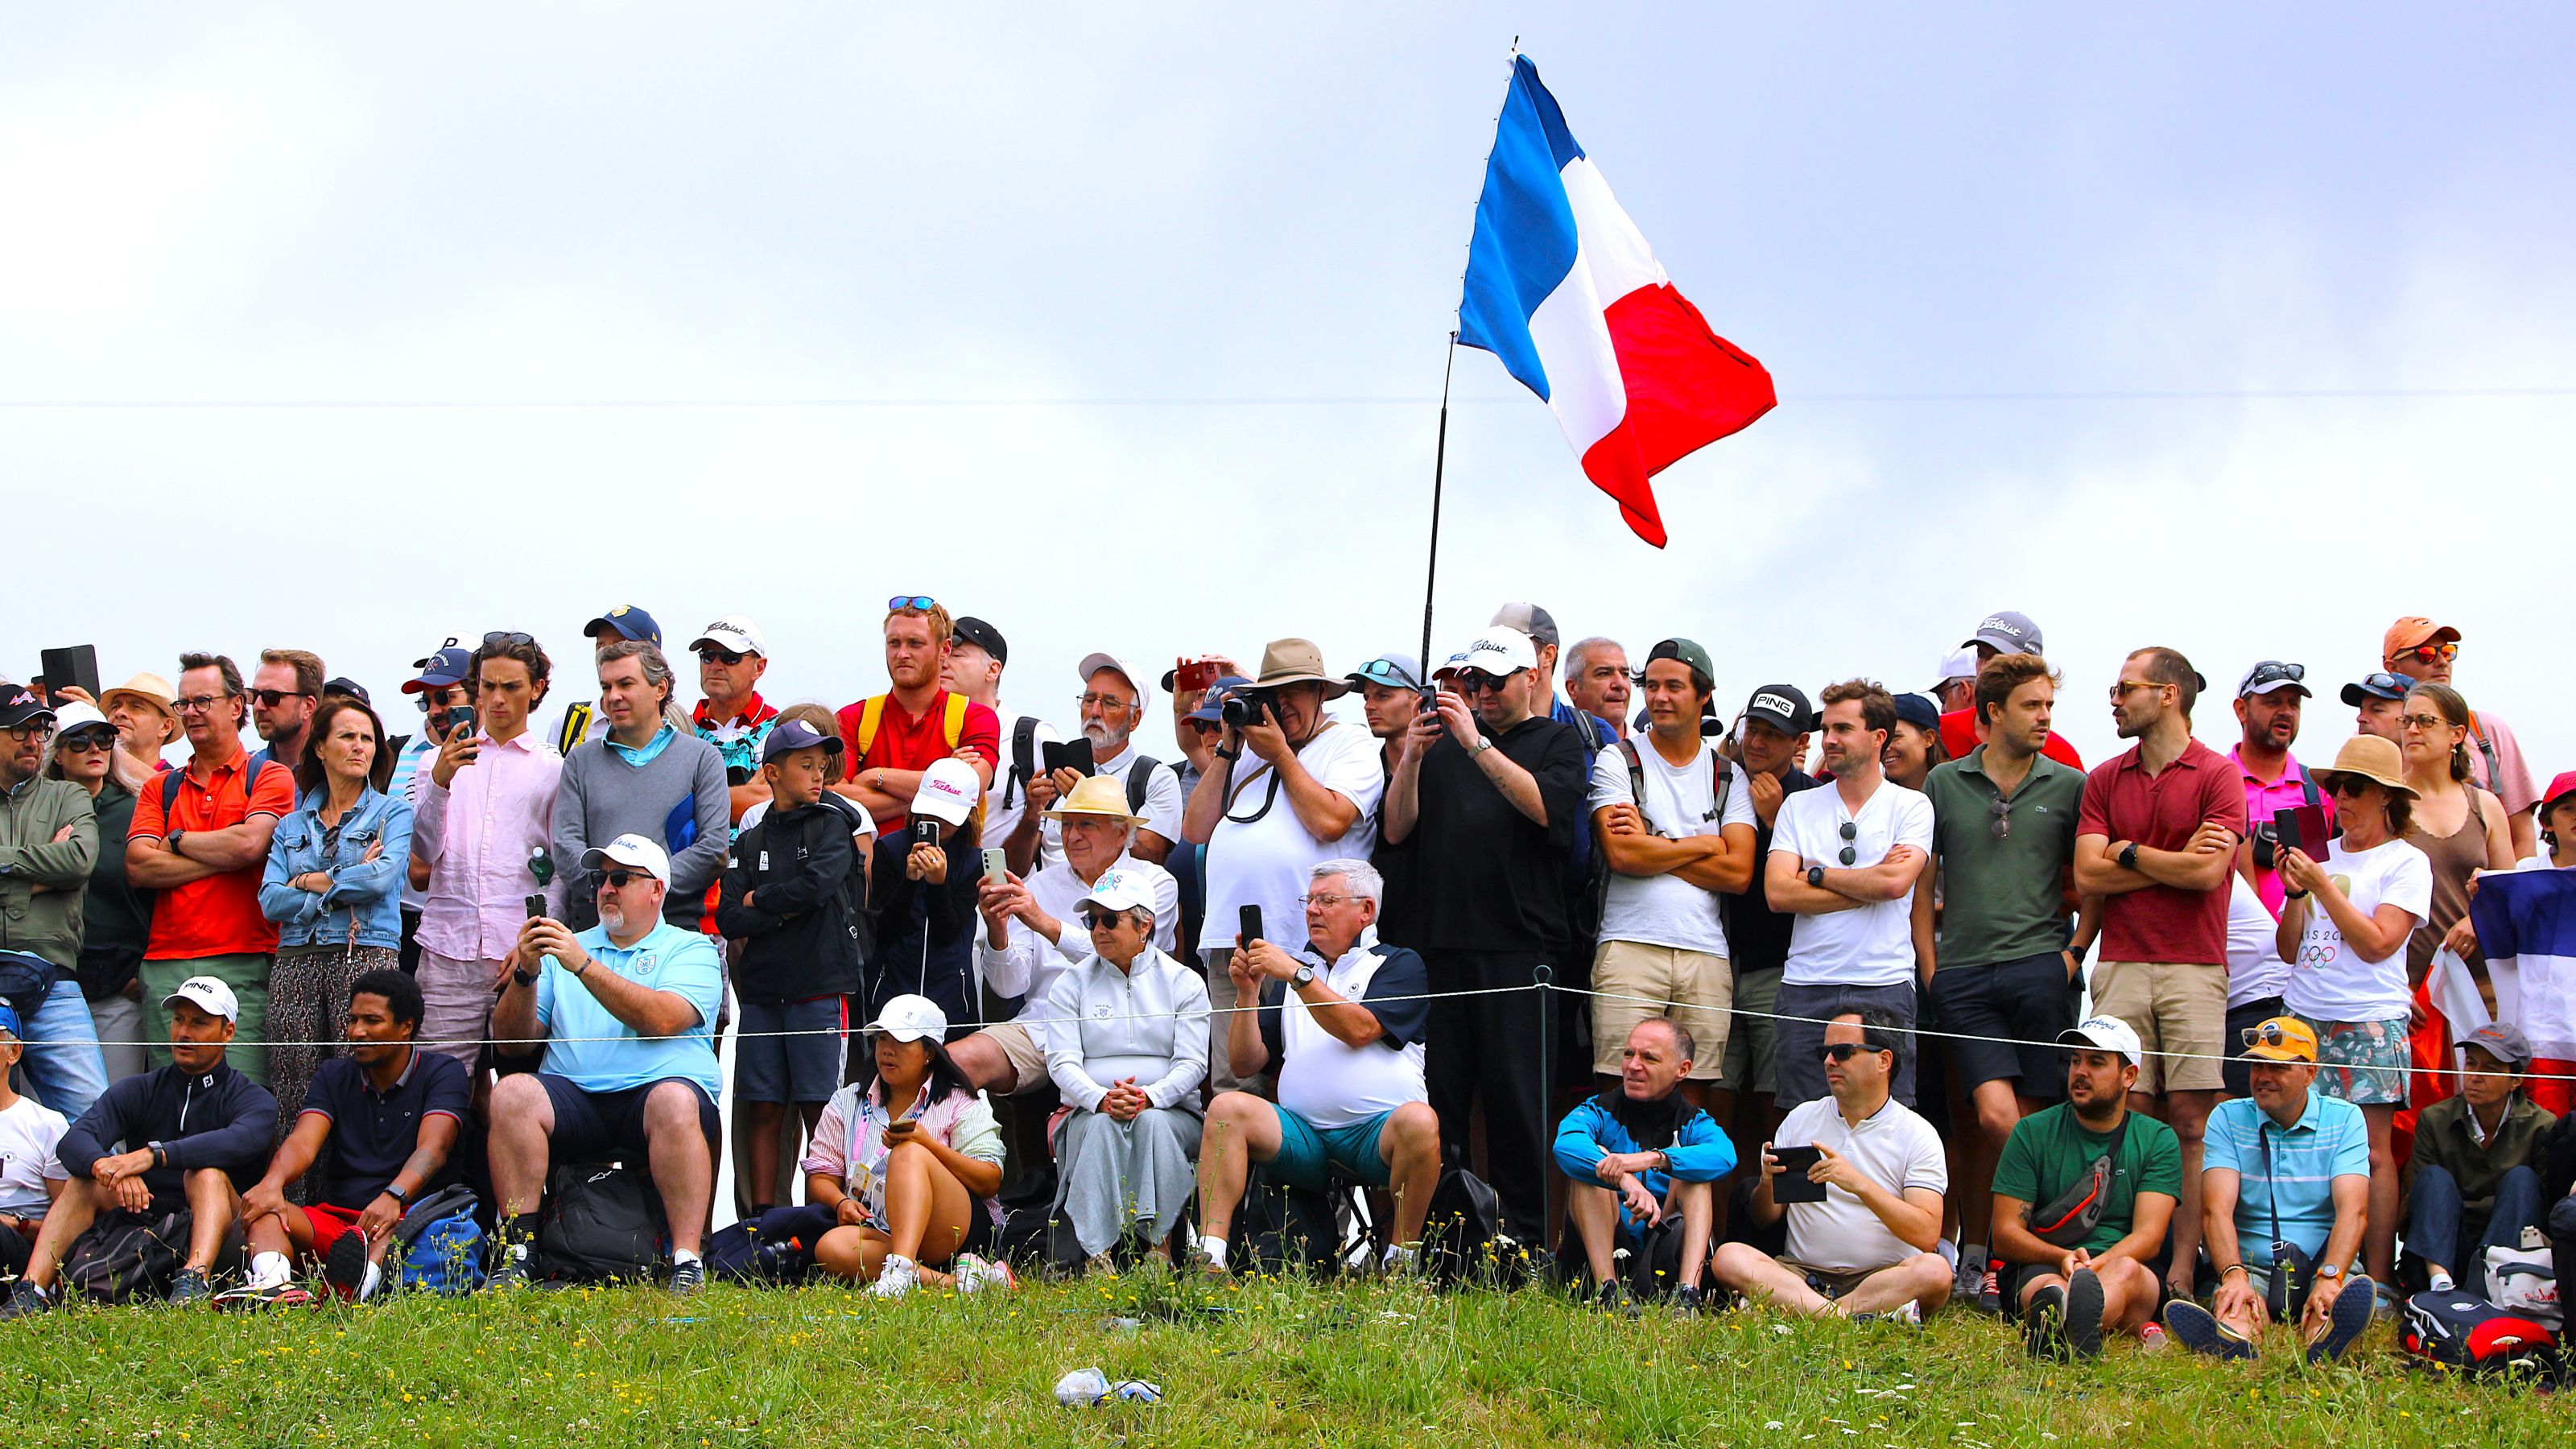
2372,758
145,688
1297,661
1100,796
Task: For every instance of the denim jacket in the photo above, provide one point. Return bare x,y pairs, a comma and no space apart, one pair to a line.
366,895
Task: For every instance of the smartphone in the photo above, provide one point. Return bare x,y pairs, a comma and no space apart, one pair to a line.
76,665
1077,756
1251,925
1793,1185
997,866
925,832
460,717
1192,674
536,904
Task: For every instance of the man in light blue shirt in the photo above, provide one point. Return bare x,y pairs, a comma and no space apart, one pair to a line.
625,1012
2286,1164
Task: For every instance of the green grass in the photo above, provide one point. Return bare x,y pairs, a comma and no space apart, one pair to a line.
1287,1363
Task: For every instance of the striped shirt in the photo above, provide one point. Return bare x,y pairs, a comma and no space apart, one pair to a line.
2329,1141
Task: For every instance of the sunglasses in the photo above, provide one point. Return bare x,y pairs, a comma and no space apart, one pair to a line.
507,639
713,654
2340,786
2388,685
1472,680
2268,1034
2428,653
1094,919
2120,691
2000,826
1850,832
620,879
2425,723
84,741
1843,1051
901,602
272,698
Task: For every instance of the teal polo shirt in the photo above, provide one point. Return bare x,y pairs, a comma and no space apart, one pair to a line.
2001,899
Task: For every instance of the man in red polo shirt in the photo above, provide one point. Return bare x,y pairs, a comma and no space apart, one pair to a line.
2157,840
200,838
2004,632
892,737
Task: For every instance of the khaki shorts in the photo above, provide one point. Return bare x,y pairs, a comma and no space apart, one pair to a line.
1697,991
1021,1050
1831,1282
2175,1007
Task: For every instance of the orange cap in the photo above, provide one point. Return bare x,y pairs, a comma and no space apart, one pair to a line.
2410,631
2281,1039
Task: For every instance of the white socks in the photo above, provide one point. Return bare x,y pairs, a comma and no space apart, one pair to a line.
268,1270
1214,1248
682,1255
2441,1281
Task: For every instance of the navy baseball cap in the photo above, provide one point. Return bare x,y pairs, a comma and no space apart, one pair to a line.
968,629
628,622
2379,685
449,665
796,734
1211,708
1918,711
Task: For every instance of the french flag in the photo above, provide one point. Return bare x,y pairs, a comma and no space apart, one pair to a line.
2526,924
1564,290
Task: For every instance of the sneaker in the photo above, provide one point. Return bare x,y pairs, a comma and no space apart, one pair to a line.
509,1268
2349,1317
24,1300
975,1273
1613,1297
1908,1314
688,1277
2043,1323
188,1287
1970,1279
1688,1302
2083,1308
345,1266
896,1278
1990,1290
2196,1329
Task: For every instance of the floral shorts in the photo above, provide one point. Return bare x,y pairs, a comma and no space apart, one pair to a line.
2363,1062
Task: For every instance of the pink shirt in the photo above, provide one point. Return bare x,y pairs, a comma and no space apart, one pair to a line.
2511,778
2286,793
476,834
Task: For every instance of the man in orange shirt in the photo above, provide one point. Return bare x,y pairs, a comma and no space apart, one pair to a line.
894,736
200,838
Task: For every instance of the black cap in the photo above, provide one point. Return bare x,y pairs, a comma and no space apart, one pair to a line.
1919,711
971,630
1784,707
2382,685
20,706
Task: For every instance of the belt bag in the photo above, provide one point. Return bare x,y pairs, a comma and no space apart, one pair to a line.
2065,1220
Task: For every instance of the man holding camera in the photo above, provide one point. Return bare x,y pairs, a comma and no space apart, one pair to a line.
1487,800
2267,711
1292,789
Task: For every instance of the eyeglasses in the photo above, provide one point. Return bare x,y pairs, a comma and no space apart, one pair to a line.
2000,827
2271,672
199,703
272,698
2341,785
37,730
1843,1051
1104,701
2425,723
1093,918
84,741
1850,832
621,879
1472,680
921,602
712,653
2427,653
1328,900
507,639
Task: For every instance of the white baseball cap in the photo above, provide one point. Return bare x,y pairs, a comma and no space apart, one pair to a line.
208,995
1500,649
948,791
911,1018
1094,663
733,632
1120,890
2104,1033
633,851
75,715
1959,663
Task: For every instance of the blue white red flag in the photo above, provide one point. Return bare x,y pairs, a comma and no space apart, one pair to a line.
2526,923
1564,290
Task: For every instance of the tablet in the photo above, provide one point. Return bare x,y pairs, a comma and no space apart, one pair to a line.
1793,1184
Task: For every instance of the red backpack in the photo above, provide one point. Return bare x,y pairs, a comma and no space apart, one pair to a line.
2465,1333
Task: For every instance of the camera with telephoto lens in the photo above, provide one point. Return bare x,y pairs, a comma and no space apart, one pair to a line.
1247,707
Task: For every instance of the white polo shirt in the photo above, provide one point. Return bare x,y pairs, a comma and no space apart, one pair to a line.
1892,1147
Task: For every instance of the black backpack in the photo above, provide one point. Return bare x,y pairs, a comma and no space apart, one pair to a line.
126,1256
1460,1236
777,1248
2466,1333
1284,1228
602,1224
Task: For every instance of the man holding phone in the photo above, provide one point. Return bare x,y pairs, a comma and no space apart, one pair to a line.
2268,701
1860,1178
1113,702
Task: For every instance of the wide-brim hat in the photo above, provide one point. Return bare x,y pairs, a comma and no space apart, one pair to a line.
2372,758
146,688
1297,661
1101,797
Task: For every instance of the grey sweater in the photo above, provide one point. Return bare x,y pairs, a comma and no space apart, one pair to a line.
602,797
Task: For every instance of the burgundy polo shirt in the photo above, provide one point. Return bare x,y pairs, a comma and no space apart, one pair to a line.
2160,812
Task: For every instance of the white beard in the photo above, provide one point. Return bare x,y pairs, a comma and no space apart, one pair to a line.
613,920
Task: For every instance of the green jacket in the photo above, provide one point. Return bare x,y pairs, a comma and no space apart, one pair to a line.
42,880
2445,1137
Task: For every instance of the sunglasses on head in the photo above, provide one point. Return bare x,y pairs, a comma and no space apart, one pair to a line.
2267,675
2428,653
922,602
1843,1051
507,638
710,651
2268,1034
272,698
1850,832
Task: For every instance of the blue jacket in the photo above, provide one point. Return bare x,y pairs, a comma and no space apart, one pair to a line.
366,894
1699,1151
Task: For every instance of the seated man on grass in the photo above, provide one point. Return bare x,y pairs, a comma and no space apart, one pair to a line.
2088,1155
1868,1249
197,1132
2286,1180
389,1115
1641,1154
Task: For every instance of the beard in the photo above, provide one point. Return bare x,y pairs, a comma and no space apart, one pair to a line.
613,919
1102,737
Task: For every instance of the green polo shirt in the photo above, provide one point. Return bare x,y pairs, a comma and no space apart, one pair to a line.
2000,899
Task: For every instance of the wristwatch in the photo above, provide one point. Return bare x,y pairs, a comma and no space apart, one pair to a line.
160,1154
2129,856
171,843
397,1194
524,978
1816,876
1304,978
1481,745
2329,1271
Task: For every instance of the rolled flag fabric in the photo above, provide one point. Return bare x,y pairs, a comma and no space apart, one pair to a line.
2526,924
1563,289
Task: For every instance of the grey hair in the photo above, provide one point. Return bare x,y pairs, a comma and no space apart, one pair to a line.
1578,655
1364,879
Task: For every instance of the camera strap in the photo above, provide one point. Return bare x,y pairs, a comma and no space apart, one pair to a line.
1270,797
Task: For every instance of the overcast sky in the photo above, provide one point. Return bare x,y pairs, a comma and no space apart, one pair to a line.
1148,307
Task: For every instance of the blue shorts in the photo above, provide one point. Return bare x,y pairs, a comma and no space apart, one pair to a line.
1310,1157
804,1067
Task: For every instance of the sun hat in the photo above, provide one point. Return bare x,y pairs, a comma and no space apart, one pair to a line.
1296,661
1096,796
146,688
2372,758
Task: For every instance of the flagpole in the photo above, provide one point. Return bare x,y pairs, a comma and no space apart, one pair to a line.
1439,466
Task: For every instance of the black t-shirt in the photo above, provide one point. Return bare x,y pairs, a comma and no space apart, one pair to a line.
1756,934
1395,863
1485,876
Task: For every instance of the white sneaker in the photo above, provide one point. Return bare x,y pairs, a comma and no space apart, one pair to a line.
974,1274
896,1278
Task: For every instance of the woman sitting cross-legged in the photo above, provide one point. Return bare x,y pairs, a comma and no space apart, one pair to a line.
908,1161
1127,1034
